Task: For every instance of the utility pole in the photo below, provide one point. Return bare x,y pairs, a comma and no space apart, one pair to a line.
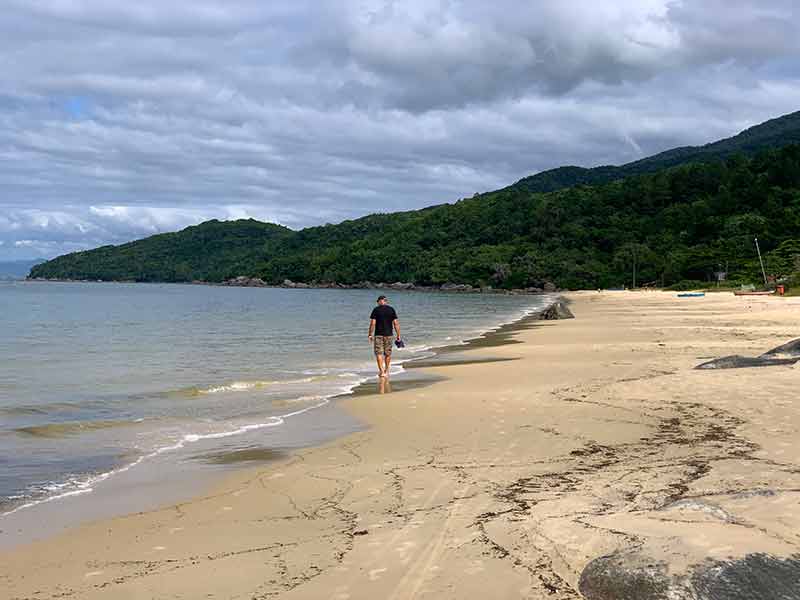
763,272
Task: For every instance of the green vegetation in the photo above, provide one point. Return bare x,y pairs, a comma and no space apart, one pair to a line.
205,252
673,227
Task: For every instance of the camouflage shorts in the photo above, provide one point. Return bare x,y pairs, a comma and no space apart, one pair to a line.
383,344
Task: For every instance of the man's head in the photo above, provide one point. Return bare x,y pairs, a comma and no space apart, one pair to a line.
382,300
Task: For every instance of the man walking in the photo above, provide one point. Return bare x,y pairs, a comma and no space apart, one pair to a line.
381,322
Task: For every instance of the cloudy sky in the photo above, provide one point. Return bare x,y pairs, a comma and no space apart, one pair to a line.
123,119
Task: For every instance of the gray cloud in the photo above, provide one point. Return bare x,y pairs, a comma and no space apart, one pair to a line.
118,120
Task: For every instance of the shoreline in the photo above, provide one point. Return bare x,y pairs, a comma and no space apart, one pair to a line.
447,288
587,455
203,477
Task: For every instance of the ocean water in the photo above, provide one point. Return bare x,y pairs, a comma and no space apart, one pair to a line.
101,380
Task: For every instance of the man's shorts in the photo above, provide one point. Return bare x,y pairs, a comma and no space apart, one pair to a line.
383,344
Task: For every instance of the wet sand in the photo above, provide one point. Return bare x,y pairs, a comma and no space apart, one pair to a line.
588,460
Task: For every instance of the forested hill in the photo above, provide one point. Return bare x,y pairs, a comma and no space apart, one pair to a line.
682,223
770,134
202,252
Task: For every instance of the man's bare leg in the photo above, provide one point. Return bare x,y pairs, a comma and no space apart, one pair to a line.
388,361
381,368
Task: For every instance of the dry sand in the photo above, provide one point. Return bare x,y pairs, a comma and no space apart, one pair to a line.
503,481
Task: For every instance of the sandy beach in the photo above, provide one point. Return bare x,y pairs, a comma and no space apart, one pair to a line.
581,458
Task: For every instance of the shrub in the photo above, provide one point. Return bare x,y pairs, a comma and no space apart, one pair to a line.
688,284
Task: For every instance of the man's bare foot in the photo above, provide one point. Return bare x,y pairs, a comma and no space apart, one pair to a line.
382,374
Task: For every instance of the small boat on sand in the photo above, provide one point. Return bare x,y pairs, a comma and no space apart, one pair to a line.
691,295
753,293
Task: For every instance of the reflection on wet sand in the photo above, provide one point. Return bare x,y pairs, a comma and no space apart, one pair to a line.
397,383
450,360
240,455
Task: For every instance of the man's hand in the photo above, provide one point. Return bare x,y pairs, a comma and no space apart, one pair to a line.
370,337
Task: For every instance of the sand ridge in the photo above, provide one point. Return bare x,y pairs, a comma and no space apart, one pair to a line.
505,480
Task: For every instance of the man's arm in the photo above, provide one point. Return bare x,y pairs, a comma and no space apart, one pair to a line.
396,324
371,328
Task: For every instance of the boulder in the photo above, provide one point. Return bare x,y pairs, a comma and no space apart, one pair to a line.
456,287
632,575
243,281
625,576
399,285
788,350
557,310
785,354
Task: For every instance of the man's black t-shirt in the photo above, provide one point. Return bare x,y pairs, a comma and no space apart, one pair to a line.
384,316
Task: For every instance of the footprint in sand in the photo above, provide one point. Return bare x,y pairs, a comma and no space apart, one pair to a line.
276,475
93,574
176,529
475,567
403,550
340,593
375,574
159,548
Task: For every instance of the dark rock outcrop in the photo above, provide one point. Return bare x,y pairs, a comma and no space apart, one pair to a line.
736,361
754,577
456,287
787,350
243,281
624,576
785,354
557,310
633,576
